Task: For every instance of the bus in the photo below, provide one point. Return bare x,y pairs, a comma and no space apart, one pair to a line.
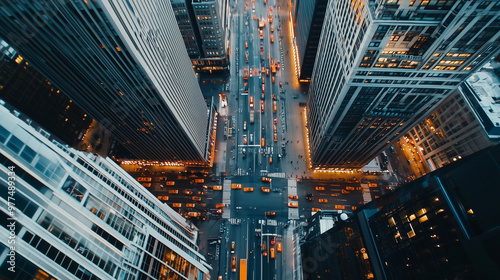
252,116
243,269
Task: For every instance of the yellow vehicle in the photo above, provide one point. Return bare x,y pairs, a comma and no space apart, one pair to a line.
320,188
272,253
246,56
146,185
170,183
272,38
194,214
265,189
263,80
199,181
266,179
272,28
339,207
354,208
236,186
293,204
270,213
372,185
293,197
248,189
217,188
162,178
262,142
173,191
163,197
190,205
246,44
315,209
233,263
264,249
243,269
144,179
196,198
273,79
219,205
275,137
275,106
270,159
345,192
322,200
177,205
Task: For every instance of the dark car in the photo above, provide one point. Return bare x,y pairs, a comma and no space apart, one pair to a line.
309,197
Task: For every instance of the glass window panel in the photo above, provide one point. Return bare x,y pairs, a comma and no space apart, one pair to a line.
15,144
28,154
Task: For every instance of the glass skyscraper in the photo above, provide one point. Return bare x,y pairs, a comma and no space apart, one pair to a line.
123,62
440,226
383,65
76,215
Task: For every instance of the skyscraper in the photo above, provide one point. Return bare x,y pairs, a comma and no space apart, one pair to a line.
467,121
308,24
76,215
436,227
203,25
382,65
124,63
27,90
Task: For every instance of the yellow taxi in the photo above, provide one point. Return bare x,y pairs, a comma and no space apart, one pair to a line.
248,189
236,186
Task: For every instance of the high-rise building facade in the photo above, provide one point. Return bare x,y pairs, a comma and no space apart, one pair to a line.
382,65
211,21
186,20
31,93
467,121
123,62
76,215
436,227
308,24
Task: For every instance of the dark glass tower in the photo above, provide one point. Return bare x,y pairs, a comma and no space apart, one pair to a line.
308,24
441,226
123,62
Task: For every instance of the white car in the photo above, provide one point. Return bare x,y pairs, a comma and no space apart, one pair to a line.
245,125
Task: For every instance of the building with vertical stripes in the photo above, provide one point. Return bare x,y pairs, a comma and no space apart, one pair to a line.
76,215
123,62
383,65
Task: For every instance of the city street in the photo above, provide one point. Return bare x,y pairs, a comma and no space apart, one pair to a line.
261,135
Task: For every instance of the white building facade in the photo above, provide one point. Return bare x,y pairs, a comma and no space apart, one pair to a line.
80,216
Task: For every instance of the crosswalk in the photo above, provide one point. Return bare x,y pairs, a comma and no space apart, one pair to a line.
277,175
268,222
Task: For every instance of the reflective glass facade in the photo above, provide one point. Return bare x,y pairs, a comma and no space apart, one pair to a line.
436,227
123,62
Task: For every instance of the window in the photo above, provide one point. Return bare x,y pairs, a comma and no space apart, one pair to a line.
28,154
15,144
